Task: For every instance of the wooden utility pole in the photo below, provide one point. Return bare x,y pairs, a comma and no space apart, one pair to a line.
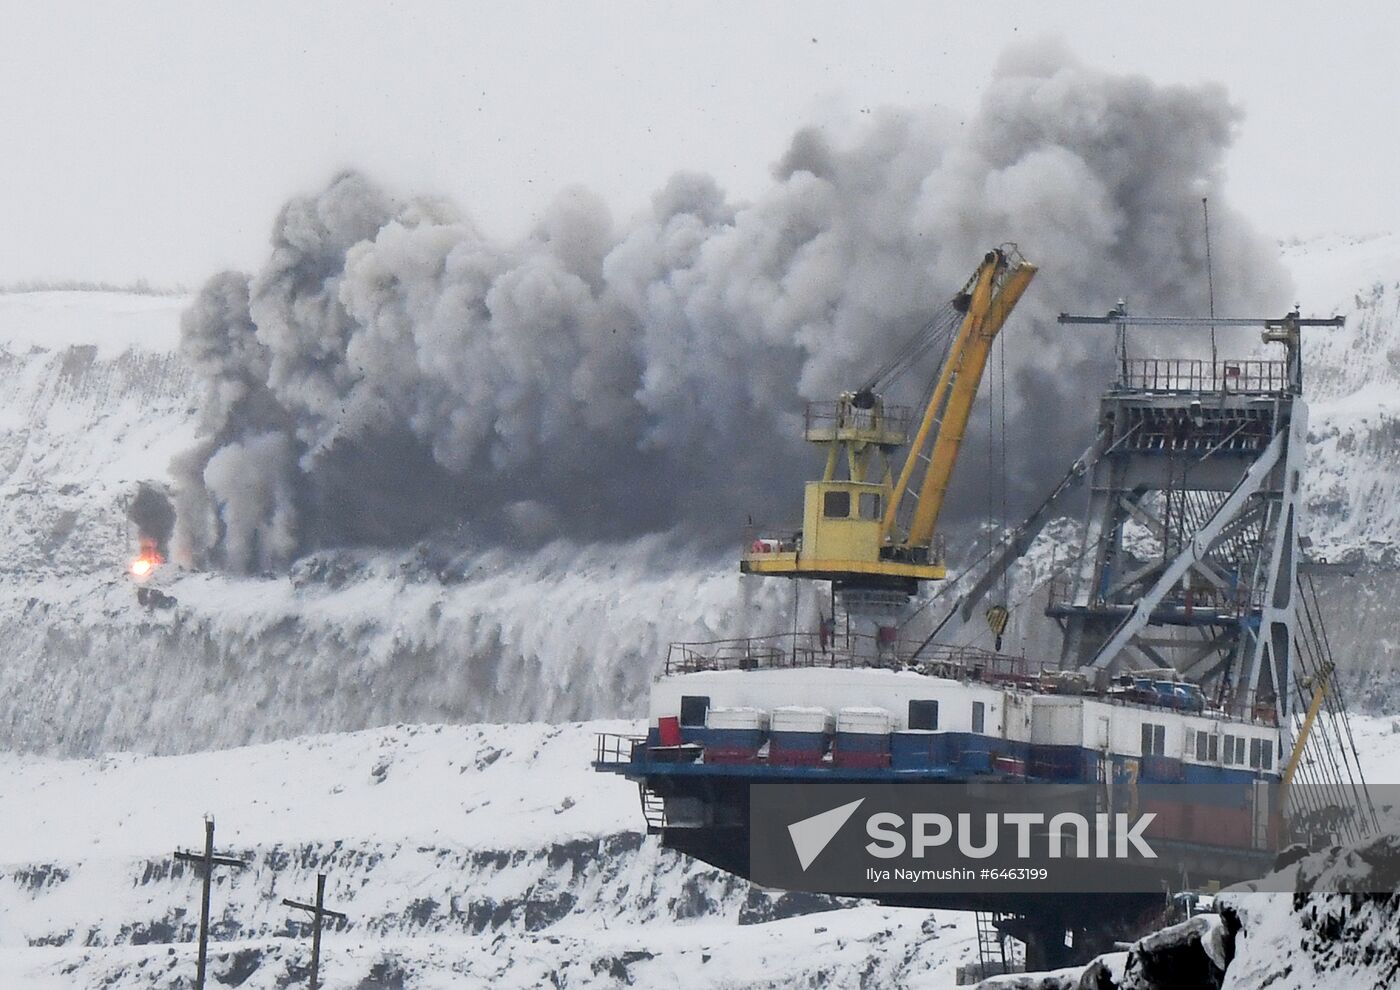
205,864
318,914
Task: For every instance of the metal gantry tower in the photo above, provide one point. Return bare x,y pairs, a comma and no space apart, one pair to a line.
1190,553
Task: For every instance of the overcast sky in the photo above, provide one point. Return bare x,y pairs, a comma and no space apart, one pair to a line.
157,140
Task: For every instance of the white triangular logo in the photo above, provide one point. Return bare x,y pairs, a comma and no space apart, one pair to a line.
811,835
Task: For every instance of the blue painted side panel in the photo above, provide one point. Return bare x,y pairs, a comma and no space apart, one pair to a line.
863,742
965,752
958,754
918,750
800,741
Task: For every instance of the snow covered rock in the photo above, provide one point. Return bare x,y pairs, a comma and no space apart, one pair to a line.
1314,938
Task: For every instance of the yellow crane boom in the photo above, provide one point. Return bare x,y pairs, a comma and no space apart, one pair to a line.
994,290
850,531
1319,687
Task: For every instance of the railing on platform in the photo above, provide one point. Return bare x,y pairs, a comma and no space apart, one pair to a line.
977,663
801,650
1234,601
762,540
1195,375
826,419
617,749
969,663
724,654
782,650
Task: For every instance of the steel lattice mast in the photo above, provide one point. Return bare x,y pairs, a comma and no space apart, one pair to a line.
1191,553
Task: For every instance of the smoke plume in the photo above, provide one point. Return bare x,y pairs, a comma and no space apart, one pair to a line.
154,517
392,372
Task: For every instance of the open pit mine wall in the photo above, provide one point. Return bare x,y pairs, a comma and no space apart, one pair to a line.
96,400
186,677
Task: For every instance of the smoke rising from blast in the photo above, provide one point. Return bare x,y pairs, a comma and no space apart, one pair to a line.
153,516
391,371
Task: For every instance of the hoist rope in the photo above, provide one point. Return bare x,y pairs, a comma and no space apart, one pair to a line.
937,330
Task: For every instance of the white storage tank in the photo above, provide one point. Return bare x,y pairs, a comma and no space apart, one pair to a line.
734,735
799,736
862,738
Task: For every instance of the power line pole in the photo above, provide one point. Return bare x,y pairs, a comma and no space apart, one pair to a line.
319,912
205,864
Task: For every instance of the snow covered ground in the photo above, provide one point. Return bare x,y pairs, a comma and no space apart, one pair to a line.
867,948
464,855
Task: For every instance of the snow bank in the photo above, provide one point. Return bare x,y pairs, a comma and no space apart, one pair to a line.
463,855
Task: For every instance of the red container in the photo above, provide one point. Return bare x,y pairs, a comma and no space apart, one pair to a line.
779,757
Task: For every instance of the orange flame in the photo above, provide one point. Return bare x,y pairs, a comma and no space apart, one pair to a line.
146,561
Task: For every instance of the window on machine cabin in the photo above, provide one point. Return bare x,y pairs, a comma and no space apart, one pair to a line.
870,505
1261,754
1234,751
979,717
1154,739
923,714
693,709
836,505
1207,747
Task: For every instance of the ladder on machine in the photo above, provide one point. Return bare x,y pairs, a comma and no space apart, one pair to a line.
991,949
993,954
653,809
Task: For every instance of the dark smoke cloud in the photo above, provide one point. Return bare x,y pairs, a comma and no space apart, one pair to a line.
391,371
154,516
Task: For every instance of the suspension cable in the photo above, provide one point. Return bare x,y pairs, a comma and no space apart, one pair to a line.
937,330
1341,703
